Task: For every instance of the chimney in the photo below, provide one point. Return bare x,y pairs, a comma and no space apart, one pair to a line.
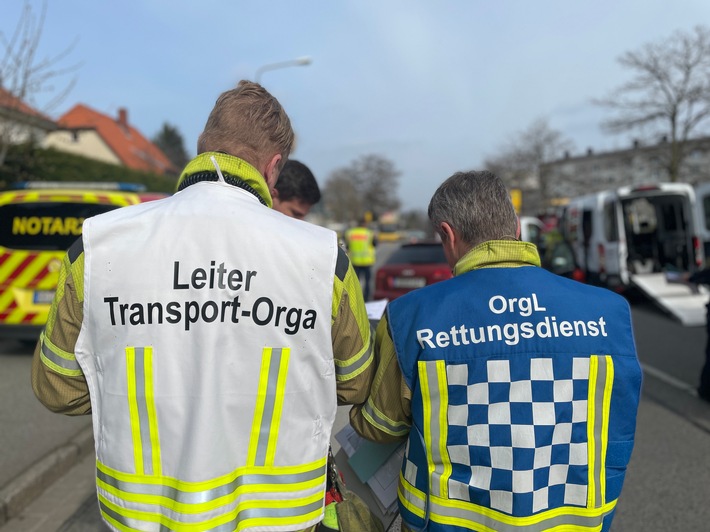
123,117
566,154
590,152
636,143
664,139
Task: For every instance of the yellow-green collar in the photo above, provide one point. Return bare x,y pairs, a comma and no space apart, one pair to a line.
233,166
498,254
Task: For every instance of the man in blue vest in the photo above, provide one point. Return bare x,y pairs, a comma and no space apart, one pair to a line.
516,388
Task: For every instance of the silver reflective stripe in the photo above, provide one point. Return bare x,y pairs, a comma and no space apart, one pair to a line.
251,513
269,401
434,423
384,423
343,371
144,422
60,361
599,386
558,520
197,497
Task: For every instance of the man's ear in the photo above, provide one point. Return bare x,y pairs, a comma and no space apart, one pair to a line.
449,241
271,173
447,233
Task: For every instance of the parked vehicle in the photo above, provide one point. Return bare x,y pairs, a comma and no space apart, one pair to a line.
702,193
411,266
557,256
531,229
632,235
38,222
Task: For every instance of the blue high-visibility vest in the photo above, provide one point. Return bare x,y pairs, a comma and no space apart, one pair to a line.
525,391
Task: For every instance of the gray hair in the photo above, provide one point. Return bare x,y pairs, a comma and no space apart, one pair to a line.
477,205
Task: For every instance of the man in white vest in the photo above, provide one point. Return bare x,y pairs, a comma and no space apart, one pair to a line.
211,338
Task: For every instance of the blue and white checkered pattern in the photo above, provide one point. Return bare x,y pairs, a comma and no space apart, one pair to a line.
525,427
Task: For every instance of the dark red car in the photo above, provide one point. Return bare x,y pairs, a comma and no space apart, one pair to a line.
410,267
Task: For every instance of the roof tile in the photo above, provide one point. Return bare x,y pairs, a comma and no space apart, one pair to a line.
129,145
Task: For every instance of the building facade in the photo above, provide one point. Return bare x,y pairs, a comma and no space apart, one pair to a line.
20,123
574,176
89,133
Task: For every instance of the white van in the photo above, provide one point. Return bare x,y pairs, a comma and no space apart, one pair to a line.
641,236
634,230
702,194
634,235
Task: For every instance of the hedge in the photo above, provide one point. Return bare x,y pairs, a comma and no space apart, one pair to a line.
29,163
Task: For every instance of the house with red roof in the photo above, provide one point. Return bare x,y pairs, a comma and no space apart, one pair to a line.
89,133
20,122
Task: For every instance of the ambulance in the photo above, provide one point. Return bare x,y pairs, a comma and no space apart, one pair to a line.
39,220
641,236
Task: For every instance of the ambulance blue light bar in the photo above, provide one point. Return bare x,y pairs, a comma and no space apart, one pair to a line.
82,185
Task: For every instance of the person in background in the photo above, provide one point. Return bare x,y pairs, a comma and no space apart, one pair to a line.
211,339
361,242
517,389
296,191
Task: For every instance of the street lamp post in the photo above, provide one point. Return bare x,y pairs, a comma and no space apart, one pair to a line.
300,61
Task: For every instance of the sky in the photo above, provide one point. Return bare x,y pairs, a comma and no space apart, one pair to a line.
435,87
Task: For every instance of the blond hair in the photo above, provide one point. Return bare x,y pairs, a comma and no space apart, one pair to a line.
249,123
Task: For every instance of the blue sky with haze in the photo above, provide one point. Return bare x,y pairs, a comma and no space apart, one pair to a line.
433,86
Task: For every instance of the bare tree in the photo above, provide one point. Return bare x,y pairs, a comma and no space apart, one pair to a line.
341,199
24,77
519,161
668,95
367,184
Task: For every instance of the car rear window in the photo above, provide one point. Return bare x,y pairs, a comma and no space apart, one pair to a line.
50,226
419,254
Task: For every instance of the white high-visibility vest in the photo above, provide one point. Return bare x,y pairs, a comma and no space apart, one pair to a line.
206,345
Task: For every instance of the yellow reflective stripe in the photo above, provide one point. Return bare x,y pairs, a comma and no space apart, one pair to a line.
411,498
133,410
435,399
472,516
278,406
312,503
593,369
376,418
141,408
606,409
212,504
194,487
443,427
351,368
150,406
57,359
601,381
426,405
259,410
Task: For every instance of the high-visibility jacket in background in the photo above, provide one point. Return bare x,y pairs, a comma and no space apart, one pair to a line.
209,361
525,388
361,248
